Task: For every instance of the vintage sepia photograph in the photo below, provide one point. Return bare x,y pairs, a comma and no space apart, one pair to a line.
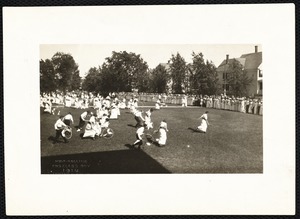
151,109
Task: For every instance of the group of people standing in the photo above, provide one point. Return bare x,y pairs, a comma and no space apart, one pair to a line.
238,104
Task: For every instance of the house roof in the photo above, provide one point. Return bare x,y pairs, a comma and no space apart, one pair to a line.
253,60
223,65
249,61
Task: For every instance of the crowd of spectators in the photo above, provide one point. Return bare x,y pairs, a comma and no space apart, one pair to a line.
84,100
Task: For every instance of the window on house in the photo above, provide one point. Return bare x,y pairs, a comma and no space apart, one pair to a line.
260,73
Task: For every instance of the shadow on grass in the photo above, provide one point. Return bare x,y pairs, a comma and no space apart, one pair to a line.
51,138
130,125
121,161
194,130
54,140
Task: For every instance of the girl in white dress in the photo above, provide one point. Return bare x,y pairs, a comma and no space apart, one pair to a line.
114,111
243,108
157,105
148,122
261,108
163,129
204,123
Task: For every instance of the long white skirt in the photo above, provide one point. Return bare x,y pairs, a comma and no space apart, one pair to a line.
203,126
157,106
89,133
114,113
122,105
162,137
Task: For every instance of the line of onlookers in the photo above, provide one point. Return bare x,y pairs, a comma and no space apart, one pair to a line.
85,100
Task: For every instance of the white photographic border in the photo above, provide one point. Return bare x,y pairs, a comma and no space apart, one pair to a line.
28,192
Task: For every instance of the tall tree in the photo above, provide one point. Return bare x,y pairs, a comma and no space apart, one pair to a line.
178,70
123,71
159,79
237,79
66,72
47,76
204,75
92,80
212,78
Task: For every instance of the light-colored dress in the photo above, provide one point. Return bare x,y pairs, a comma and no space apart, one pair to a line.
114,113
204,123
260,108
89,131
243,109
157,105
255,111
162,136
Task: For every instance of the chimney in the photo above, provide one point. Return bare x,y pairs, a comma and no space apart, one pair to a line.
255,49
227,57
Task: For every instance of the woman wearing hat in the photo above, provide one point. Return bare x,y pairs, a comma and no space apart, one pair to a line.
163,129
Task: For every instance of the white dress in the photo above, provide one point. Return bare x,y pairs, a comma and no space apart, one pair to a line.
162,136
148,120
89,131
203,125
114,113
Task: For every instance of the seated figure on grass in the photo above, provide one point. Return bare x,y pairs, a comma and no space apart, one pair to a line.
162,131
92,128
48,106
204,123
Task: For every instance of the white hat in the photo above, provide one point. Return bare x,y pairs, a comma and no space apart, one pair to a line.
163,125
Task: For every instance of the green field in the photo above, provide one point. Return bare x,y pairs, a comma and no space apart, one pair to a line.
232,144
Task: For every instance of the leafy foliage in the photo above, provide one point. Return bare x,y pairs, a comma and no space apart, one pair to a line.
92,80
66,72
47,76
178,71
159,79
123,72
204,75
238,79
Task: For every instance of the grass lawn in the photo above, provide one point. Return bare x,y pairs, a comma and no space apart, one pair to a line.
232,144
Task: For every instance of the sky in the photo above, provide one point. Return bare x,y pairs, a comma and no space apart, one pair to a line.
88,56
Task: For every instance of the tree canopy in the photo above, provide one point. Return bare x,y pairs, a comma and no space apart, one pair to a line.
123,72
237,79
159,79
47,77
92,81
178,71
204,75
59,73
126,72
